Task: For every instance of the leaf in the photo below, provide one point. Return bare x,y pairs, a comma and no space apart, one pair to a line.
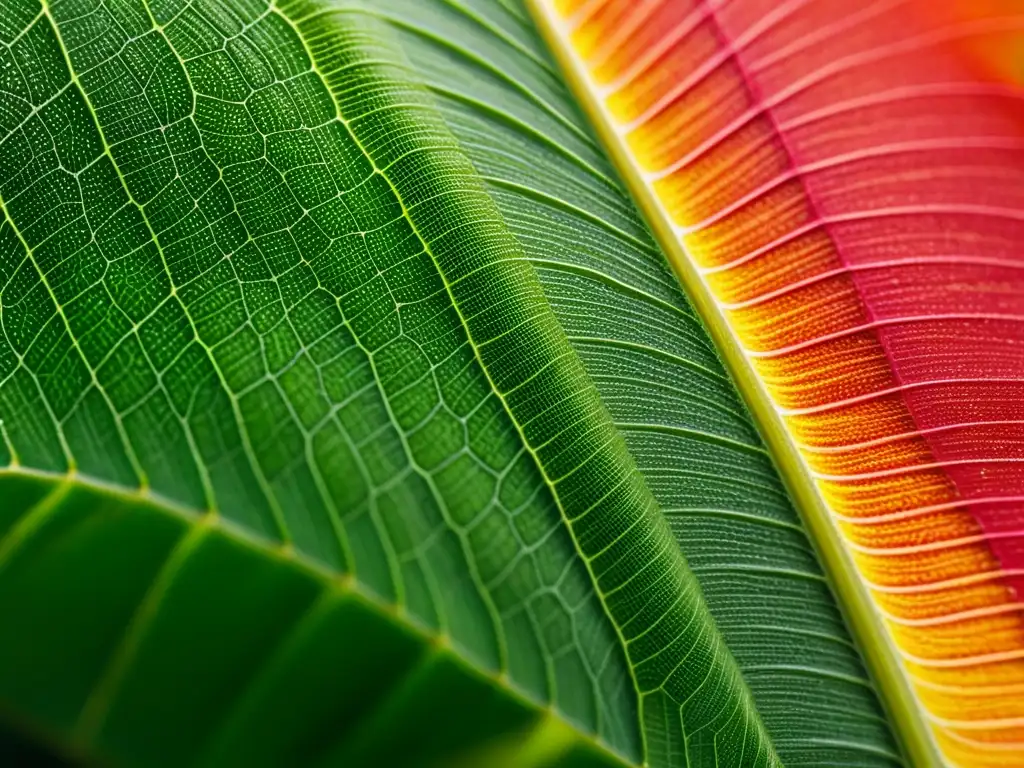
839,185
299,456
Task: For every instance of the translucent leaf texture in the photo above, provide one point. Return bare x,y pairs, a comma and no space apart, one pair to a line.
840,186
339,379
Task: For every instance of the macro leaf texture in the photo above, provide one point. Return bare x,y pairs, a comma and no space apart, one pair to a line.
839,185
352,415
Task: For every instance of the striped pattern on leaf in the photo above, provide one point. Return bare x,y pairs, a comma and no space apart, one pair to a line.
842,182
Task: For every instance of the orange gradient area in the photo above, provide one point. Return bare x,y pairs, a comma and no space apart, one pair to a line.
848,178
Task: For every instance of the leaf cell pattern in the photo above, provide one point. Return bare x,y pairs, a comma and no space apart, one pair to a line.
214,295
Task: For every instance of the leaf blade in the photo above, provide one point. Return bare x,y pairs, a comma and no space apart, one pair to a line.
741,278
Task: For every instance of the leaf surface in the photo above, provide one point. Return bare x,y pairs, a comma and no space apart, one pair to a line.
839,185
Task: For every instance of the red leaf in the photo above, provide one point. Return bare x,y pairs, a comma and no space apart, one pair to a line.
848,178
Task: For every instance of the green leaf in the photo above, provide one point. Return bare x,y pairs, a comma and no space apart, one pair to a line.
349,411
